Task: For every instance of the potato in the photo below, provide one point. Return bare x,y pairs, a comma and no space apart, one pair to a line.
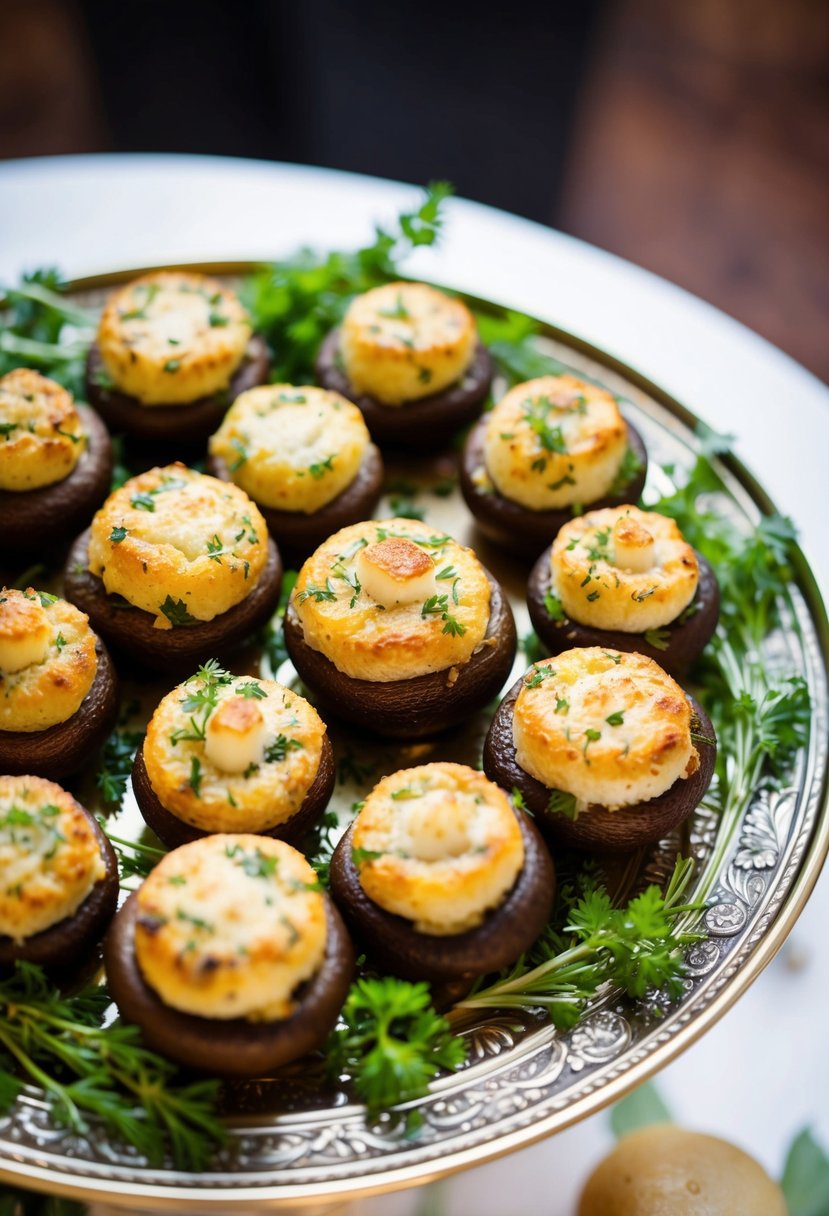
666,1171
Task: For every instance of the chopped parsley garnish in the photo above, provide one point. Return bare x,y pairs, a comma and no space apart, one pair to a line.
118,534
562,803
318,594
438,605
554,607
539,675
197,922
172,365
616,719
195,778
176,612
590,736
215,549
251,691
398,313
143,502
537,416
255,863
340,570
434,605
360,856
321,467
242,454
280,747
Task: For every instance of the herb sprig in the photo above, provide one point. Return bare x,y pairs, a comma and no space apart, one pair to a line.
43,330
392,1043
296,302
760,716
636,948
88,1070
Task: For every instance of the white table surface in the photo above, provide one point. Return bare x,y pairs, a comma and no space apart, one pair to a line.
763,1071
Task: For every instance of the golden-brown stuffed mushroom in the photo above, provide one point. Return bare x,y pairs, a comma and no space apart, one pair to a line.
409,356
606,749
176,567
399,628
550,447
59,689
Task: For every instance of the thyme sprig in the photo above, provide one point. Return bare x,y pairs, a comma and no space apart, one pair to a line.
104,1073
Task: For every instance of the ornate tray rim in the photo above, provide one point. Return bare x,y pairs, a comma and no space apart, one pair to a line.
155,1197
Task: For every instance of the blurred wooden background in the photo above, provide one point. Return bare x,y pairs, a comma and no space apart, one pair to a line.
700,147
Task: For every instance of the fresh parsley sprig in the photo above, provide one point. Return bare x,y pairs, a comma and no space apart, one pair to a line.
636,948
296,302
103,1074
760,716
392,1042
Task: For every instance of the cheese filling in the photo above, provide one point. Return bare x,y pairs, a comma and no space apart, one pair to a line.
554,442
230,926
439,845
172,337
47,660
405,341
230,753
292,449
395,571
392,600
41,434
610,729
49,856
178,544
622,568
24,631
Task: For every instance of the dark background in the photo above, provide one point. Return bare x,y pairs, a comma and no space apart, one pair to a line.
690,137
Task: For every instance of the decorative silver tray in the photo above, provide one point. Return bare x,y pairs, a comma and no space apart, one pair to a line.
295,1141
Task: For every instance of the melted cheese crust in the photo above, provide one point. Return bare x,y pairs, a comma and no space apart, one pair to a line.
612,729
230,926
49,857
553,442
173,337
404,341
369,641
442,846
176,537
41,434
50,690
293,449
622,568
255,800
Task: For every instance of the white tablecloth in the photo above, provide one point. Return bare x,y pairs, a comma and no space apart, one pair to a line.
763,1071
